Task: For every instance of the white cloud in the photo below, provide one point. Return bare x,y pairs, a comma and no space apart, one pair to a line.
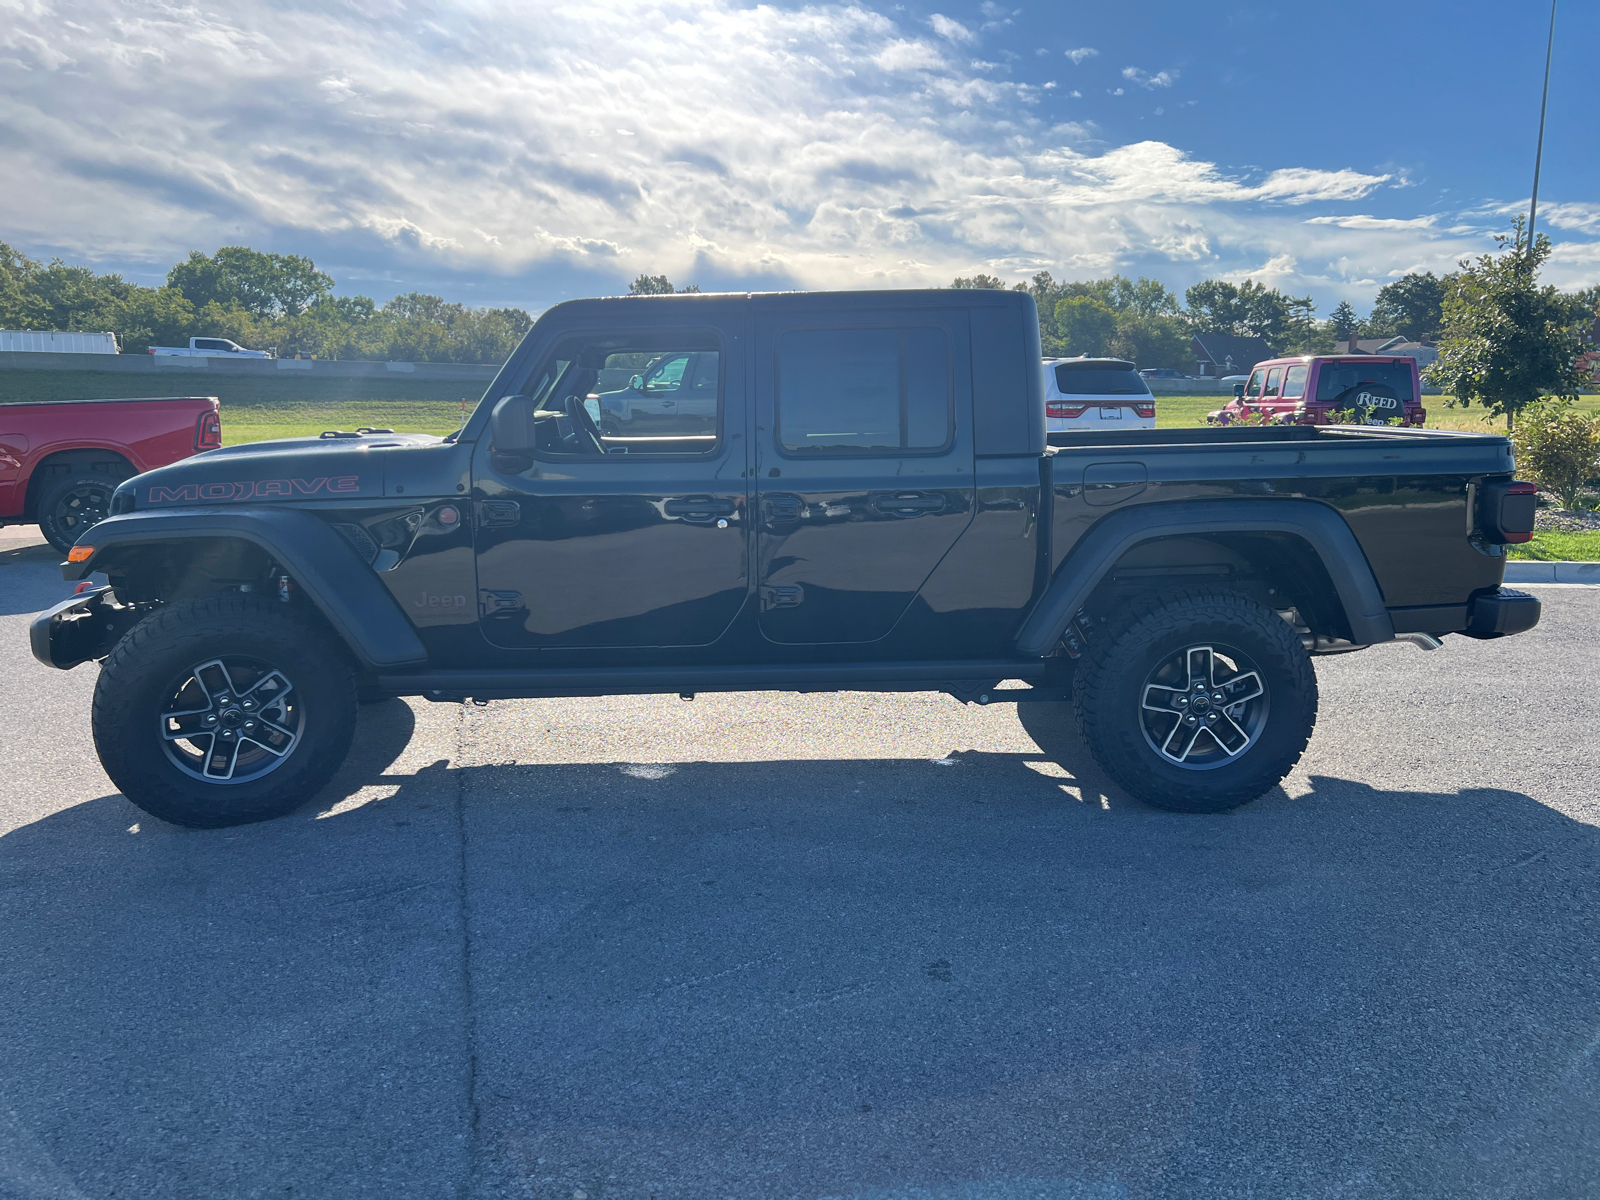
1364,222
1081,53
908,55
1160,79
708,139
950,30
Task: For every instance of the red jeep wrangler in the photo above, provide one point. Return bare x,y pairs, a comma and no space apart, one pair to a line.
1304,391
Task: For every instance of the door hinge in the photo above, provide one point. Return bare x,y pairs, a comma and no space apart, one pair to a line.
783,596
496,514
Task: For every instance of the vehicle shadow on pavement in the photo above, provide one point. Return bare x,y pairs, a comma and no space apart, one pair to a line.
971,977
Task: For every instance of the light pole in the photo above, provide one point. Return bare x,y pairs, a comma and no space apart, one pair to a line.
1538,154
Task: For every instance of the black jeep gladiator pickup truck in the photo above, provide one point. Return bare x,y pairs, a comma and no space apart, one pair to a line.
798,492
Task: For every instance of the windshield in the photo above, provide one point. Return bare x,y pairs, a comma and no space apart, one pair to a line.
1099,379
1337,378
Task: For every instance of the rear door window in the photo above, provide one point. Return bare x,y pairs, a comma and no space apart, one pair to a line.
844,391
1274,378
1099,379
1294,383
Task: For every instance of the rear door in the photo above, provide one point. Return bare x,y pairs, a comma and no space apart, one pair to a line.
864,467
636,537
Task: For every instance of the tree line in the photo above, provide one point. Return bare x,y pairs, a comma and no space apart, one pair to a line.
1144,322
262,301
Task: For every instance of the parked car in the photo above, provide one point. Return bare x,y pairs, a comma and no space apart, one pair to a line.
1305,391
880,508
60,461
671,390
1161,373
205,347
1096,393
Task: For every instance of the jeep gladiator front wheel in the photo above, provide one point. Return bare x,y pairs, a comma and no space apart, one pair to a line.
222,711
1198,702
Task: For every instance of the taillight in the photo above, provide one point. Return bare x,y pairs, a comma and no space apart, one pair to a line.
1148,411
1506,511
1061,410
208,431
1419,416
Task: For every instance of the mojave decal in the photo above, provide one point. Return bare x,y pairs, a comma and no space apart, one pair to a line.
254,489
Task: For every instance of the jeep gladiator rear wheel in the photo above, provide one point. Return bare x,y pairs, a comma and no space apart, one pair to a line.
223,710
1197,702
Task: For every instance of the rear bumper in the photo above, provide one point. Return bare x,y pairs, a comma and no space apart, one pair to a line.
1500,613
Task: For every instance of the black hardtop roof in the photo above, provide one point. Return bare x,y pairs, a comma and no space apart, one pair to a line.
855,301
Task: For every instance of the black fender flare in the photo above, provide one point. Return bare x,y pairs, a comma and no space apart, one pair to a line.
1106,542
323,565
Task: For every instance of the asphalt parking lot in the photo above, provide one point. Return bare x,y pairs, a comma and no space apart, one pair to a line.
848,946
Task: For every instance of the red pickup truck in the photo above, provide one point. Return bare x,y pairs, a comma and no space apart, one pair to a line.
61,460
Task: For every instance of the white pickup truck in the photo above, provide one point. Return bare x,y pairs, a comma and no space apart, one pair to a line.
203,347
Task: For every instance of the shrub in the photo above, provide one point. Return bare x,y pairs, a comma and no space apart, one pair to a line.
1557,447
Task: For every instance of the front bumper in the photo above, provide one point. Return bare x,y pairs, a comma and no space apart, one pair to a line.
1500,613
85,627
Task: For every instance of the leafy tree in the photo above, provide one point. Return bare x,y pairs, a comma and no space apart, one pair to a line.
1144,298
1085,325
658,285
1507,341
1412,306
263,284
977,282
1156,340
151,317
1249,309
1558,447
1343,322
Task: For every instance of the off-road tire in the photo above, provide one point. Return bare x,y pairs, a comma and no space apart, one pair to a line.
72,504
141,673
1113,675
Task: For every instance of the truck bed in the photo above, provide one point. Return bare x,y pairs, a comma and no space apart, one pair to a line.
1405,493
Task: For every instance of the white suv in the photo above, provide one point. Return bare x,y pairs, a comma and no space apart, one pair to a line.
1096,393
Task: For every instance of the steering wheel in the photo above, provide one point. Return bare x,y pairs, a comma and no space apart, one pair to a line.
583,426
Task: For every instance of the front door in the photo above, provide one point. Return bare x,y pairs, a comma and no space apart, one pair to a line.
628,526
864,467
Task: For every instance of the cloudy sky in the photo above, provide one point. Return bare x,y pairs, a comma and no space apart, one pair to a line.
528,152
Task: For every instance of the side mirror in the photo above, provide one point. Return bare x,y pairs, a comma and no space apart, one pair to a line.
636,383
1238,391
511,425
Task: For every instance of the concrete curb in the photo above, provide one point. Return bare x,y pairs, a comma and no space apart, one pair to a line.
1553,572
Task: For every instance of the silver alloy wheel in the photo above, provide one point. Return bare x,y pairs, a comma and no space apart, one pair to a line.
231,721
1203,707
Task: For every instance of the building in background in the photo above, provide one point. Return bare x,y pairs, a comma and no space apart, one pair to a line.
1219,354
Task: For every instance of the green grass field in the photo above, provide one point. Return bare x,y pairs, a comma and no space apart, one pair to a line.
1549,546
255,410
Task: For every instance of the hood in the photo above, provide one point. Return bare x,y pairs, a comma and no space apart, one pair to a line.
296,469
